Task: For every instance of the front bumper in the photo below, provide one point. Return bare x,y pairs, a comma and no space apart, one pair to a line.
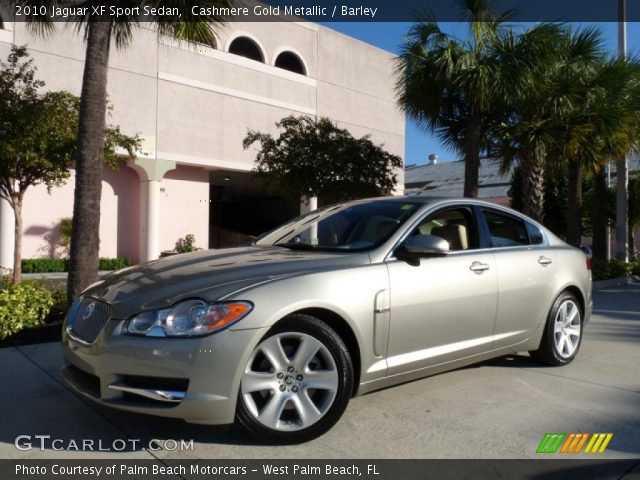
195,379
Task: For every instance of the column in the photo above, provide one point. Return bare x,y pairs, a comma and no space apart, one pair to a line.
309,204
7,236
151,172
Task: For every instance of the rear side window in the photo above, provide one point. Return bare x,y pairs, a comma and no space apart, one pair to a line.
535,234
505,230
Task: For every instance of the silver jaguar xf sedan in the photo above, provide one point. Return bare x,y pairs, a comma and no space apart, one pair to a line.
351,298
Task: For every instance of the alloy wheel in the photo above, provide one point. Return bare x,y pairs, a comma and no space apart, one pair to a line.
290,382
567,328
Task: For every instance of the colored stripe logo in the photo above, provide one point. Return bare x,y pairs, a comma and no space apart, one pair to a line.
574,442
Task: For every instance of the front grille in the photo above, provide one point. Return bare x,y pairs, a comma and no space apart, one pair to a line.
90,319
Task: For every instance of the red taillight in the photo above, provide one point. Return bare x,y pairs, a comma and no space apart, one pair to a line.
588,264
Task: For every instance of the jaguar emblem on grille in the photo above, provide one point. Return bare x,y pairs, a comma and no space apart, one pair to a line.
88,311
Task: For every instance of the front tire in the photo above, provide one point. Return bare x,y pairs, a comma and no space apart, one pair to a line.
297,382
562,336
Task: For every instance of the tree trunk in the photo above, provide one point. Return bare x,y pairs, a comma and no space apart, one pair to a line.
17,249
85,236
574,204
533,188
632,244
599,216
472,157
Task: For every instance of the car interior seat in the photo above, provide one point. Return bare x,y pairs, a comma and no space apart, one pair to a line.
456,235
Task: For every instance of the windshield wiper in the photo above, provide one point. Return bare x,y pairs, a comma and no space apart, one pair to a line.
296,246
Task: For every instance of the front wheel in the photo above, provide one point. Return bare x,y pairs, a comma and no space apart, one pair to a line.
563,333
297,382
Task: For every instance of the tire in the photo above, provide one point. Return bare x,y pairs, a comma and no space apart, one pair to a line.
562,335
297,382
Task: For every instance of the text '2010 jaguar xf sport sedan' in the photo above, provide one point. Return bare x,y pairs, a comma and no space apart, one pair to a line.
342,301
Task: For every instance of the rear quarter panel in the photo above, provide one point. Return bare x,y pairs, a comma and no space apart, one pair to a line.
572,272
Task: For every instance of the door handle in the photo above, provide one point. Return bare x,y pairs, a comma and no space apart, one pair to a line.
478,267
544,261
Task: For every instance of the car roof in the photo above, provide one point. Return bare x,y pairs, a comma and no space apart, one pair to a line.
404,199
431,199
425,199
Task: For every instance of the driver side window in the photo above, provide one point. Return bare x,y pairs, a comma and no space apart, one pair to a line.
455,225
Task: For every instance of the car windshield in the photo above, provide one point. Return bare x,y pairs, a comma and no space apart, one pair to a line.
350,227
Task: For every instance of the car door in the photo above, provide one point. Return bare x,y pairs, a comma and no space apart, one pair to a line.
443,308
526,267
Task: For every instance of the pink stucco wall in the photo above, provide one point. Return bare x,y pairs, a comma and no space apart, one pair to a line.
184,209
119,216
184,206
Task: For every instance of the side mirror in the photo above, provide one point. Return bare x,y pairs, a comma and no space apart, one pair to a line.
423,246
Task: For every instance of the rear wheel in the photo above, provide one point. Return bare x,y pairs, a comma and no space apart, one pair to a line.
297,382
563,333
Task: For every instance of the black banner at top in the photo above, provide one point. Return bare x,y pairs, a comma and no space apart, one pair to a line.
323,10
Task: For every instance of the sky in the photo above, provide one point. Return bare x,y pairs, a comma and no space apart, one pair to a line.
389,36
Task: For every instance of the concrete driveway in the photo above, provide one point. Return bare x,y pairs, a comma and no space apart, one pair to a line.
498,409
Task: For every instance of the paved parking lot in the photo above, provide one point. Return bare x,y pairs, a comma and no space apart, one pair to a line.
498,409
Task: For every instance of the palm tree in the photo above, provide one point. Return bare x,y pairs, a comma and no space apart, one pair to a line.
634,211
539,77
448,85
100,32
605,120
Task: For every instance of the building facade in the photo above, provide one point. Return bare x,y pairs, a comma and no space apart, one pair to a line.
192,106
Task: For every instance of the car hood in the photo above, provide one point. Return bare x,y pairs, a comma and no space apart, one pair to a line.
210,275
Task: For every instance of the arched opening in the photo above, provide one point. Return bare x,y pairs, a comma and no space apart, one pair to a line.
245,47
290,61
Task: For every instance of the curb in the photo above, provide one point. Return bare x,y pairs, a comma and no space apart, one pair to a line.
612,282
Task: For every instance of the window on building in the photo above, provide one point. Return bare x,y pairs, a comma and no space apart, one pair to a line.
290,61
245,47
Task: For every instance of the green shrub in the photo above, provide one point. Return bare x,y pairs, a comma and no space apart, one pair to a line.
618,268
186,244
65,234
24,306
47,265
113,263
603,270
600,269
43,265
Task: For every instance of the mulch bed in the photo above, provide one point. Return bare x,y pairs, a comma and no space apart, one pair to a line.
47,333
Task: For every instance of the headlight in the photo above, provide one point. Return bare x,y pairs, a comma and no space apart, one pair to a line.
191,318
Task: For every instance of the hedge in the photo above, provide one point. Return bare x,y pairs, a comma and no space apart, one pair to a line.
603,270
46,265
